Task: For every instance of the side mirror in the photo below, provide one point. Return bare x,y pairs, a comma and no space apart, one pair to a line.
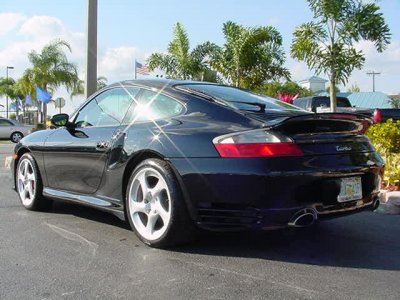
60,120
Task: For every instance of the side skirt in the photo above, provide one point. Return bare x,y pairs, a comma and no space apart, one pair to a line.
101,203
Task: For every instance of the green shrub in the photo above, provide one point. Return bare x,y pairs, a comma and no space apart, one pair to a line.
386,139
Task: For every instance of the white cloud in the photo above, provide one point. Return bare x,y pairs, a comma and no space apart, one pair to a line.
10,21
42,27
387,63
118,63
299,71
35,32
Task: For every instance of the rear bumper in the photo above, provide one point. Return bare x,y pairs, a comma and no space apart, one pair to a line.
225,194
266,219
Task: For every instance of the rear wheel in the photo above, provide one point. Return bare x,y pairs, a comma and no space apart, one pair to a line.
29,184
155,207
16,137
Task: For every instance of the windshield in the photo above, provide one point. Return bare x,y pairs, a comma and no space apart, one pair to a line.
237,98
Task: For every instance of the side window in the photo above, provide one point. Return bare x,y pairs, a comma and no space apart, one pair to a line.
153,106
107,109
6,123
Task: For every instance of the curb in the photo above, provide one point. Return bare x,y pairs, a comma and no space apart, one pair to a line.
390,202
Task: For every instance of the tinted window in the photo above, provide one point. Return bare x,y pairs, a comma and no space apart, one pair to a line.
325,101
236,98
153,106
343,102
107,109
318,102
5,123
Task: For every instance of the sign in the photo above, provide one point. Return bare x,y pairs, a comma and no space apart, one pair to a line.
59,102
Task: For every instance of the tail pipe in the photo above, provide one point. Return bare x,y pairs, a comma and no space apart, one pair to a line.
303,218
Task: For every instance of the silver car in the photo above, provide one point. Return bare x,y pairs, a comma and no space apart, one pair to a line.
12,130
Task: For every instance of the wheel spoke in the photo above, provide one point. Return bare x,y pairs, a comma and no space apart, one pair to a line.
164,215
30,190
31,177
26,168
137,207
151,222
21,176
143,183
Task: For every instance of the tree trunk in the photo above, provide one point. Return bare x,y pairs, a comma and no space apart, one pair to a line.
332,94
237,75
44,113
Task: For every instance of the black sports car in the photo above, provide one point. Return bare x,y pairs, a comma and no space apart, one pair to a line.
170,156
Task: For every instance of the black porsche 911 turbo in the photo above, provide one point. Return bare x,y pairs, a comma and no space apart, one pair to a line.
173,156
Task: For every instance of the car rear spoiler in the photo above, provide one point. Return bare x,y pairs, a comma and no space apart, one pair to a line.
321,123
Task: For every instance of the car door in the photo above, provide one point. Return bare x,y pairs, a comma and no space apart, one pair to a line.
6,128
75,158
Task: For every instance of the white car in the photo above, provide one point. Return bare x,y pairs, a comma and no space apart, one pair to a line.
12,130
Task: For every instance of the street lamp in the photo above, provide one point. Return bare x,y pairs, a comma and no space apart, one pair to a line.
8,68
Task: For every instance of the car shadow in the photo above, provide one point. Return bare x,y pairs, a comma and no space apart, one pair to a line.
89,213
367,240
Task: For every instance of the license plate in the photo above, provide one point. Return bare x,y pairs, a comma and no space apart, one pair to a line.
350,189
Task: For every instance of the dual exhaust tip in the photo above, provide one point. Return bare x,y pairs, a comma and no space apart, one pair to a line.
303,218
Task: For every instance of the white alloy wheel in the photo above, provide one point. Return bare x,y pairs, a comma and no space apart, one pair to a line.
26,182
149,203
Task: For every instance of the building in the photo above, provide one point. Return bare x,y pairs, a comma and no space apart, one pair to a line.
314,83
365,99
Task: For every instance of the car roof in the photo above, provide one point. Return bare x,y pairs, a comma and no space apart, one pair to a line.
159,83
318,97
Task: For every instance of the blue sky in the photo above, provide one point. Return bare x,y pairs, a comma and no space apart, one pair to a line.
133,28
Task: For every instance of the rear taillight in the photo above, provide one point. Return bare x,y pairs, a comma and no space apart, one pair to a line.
377,116
256,143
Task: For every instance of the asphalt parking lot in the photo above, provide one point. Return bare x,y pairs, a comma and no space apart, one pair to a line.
80,253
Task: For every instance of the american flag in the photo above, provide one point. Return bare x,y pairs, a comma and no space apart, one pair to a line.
142,69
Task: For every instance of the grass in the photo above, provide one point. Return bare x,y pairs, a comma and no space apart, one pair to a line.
5,142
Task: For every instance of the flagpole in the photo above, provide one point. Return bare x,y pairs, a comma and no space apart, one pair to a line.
135,70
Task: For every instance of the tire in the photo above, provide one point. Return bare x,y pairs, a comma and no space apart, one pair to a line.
153,195
29,184
16,137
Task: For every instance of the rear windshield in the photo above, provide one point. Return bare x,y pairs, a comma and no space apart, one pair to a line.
237,98
325,101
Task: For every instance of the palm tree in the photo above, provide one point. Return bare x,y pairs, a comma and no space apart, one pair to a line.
250,56
80,87
180,62
17,90
7,88
51,69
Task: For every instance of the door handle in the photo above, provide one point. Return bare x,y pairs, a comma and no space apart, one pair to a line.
116,134
102,145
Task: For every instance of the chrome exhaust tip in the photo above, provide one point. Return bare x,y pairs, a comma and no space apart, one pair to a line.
303,218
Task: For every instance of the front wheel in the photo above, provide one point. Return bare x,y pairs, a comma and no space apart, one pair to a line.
155,207
16,137
29,184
